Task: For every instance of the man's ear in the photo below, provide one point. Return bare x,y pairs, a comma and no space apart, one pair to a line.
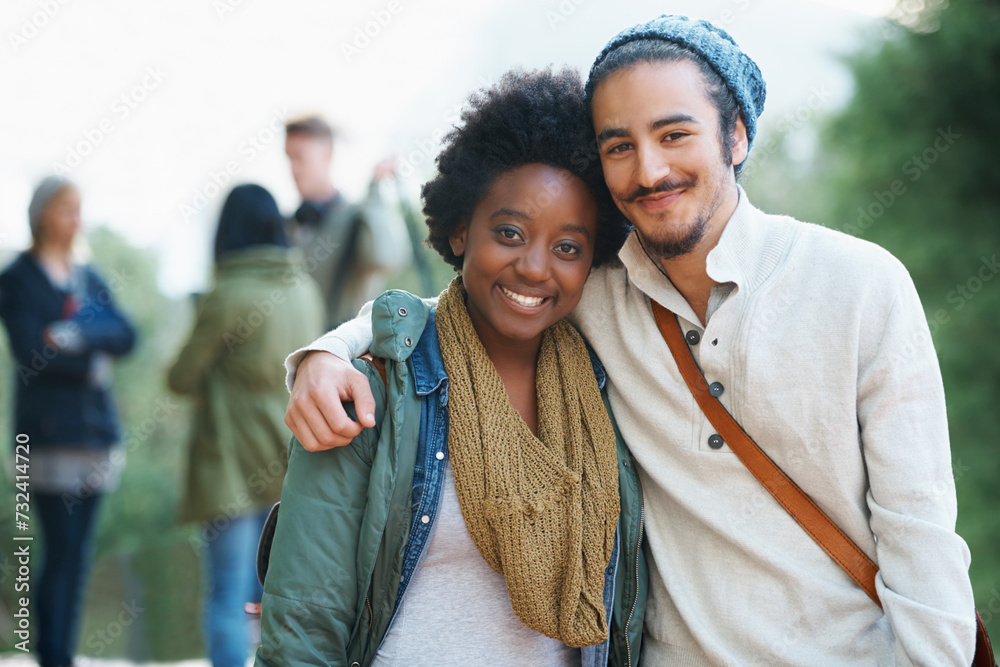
457,239
741,145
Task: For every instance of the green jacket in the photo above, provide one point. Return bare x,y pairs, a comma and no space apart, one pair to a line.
337,556
260,309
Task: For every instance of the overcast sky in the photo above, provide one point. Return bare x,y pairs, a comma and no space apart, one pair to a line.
147,103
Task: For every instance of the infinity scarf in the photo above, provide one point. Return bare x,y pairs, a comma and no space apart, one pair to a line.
542,511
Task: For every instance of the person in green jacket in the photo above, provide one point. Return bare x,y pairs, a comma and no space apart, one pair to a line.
259,308
492,516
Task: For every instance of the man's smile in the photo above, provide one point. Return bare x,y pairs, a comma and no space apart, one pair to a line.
659,200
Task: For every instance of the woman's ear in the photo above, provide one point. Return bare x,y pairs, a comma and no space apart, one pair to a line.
457,240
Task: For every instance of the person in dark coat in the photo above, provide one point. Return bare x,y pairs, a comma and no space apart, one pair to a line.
64,331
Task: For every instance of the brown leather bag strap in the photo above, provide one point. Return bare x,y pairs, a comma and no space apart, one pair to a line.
795,501
378,363
806,513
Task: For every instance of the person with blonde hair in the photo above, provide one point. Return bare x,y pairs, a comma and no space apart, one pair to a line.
64,330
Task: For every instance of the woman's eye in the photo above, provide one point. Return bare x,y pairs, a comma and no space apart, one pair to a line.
568,248
508,233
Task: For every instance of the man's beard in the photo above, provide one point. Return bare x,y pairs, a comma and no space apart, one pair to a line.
676,245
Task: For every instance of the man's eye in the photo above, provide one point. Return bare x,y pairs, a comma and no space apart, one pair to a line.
674,136
619,148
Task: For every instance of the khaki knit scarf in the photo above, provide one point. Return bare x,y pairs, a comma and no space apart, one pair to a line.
541,511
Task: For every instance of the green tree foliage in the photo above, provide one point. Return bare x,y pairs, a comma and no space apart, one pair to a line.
911,164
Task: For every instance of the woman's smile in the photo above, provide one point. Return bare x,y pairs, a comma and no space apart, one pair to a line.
526,253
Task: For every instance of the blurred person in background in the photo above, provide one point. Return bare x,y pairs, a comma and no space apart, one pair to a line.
64,330
337,237
260,307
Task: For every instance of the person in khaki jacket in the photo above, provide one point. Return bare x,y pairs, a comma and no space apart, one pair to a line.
348,247
260,307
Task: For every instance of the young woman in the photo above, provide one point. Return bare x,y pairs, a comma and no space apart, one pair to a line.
64,330
259,307
491,517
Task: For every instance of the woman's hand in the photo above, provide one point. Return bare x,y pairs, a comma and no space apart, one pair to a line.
315,414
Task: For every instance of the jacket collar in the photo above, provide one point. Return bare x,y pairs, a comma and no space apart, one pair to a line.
404,327
428,365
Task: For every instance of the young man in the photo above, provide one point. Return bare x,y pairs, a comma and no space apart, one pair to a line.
347,247
815,342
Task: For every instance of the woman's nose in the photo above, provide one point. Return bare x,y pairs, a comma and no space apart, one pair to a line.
532,265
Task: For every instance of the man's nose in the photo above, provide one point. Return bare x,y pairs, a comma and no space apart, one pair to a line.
651,166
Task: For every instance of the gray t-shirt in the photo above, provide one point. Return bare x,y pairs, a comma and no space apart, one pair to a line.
456,610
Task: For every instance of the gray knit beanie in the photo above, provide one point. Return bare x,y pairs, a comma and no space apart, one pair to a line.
46,190
719,50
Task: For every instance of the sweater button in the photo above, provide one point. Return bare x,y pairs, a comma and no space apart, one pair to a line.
716,389
693,337
715,441
402,312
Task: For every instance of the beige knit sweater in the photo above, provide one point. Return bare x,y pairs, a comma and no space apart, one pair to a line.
826,360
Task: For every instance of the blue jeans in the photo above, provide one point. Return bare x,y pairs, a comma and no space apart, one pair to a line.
232,576
68,532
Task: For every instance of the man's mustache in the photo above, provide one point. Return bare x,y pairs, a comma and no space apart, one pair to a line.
666,185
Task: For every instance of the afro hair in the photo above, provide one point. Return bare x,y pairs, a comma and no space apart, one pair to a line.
528,117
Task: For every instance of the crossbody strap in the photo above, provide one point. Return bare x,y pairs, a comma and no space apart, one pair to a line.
795,501
800,506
